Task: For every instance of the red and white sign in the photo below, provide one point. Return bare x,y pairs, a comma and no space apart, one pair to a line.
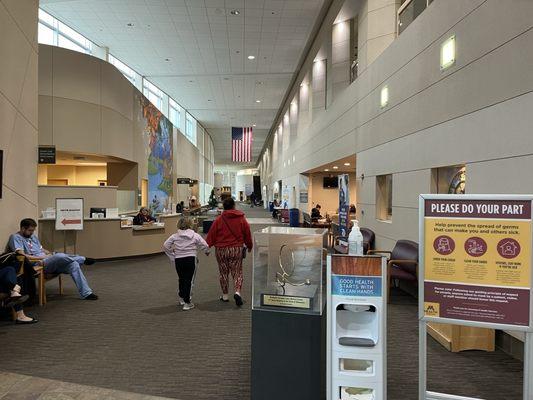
69,214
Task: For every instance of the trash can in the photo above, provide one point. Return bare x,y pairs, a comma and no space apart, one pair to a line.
206,225
271,206
294,217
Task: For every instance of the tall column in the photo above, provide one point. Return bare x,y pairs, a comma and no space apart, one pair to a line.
319,87
340,57
303,107
19,112
377,29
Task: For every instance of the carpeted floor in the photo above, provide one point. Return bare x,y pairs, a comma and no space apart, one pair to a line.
135,339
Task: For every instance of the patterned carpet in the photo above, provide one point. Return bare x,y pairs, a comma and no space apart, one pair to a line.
135,339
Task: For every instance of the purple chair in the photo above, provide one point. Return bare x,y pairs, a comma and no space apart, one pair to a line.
402,263
369,238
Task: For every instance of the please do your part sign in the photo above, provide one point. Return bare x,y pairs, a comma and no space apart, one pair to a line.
475,267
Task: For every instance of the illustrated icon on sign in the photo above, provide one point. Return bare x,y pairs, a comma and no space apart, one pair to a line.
444,245
475,246
508,248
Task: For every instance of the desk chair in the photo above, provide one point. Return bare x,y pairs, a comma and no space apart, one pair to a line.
402,263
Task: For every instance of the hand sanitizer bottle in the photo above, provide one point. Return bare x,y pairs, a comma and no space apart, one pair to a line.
355,240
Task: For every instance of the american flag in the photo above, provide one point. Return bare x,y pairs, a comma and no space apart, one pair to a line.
241,144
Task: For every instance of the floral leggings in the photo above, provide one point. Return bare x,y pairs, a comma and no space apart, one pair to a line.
230,261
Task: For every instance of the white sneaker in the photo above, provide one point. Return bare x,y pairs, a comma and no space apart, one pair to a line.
181,301
188,306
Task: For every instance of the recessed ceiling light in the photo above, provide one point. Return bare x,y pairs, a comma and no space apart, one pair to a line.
234,12
251,57
326,170
226,79
167,59
238,52
335,167
273,12
131,24
254,125
258,101
208,99
191,81
347,164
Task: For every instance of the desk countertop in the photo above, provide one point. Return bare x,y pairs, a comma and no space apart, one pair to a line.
148,227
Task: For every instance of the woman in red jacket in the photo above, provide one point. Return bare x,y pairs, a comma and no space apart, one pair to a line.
229,234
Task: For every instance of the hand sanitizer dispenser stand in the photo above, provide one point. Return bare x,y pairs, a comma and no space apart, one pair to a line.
356,330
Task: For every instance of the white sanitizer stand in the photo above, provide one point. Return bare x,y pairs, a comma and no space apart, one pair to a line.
356,330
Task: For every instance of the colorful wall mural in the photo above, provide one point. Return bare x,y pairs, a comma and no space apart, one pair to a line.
158,131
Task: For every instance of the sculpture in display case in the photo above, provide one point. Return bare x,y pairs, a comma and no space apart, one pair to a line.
289,272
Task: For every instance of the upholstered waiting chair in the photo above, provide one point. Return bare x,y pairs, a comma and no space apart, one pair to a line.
402,263
369,237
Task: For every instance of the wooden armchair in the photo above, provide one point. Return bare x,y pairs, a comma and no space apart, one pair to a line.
402,263
41,276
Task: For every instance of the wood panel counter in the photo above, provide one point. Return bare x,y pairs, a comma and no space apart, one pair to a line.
105,239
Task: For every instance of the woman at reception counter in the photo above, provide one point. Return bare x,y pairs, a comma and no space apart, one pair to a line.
144,217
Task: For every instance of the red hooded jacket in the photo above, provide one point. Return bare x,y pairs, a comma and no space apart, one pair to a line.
230,230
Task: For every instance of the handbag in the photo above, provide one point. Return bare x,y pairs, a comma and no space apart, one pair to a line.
243,252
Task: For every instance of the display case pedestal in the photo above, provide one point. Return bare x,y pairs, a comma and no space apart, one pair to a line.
288,356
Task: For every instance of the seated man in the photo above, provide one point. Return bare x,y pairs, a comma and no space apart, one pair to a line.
315,213
9,286
25,242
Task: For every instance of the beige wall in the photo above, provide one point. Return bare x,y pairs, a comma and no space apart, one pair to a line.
99,197
87,106
476,113
328,198
18,112
76,175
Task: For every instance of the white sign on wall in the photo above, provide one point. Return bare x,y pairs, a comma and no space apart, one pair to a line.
69,214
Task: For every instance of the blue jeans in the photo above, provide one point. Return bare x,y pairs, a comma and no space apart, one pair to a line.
8,280
61,263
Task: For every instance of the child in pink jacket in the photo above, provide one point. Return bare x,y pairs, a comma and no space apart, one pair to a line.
181,247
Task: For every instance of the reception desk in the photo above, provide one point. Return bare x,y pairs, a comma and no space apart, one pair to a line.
105,239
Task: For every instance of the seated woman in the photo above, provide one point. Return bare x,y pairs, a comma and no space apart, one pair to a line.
193,203
315,213
9,286
144,217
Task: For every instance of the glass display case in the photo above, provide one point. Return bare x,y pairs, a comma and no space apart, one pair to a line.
289,273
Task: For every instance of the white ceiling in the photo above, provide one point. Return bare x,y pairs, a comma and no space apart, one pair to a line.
209,72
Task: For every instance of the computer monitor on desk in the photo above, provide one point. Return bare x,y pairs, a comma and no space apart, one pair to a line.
97,213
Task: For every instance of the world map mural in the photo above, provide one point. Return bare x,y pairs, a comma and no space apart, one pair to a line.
158,130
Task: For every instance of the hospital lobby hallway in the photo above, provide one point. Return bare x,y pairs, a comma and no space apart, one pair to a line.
135,339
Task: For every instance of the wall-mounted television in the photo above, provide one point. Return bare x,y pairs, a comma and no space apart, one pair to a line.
331,182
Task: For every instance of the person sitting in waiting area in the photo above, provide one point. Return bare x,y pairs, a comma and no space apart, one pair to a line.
193,203
315,213
25,242
144,217
9,286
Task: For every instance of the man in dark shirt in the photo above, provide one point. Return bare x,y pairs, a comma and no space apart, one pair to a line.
315,213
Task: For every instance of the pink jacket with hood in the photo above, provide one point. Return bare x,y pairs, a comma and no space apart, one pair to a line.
184,243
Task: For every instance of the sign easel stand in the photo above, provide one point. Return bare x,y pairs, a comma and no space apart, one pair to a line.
453,235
